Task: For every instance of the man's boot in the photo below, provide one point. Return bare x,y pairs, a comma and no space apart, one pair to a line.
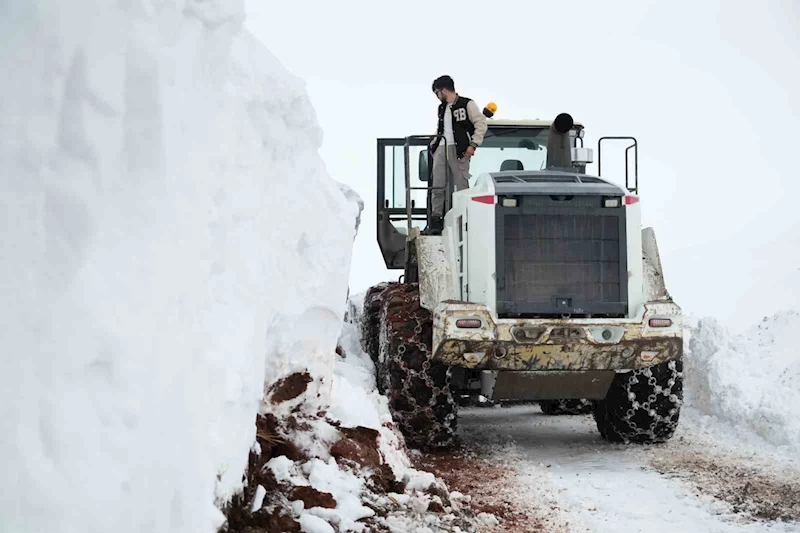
435,226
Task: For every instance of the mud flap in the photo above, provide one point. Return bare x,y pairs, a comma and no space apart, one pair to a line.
551,385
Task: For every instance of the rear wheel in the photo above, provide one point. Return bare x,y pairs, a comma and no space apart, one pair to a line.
566,407
642,406
418,389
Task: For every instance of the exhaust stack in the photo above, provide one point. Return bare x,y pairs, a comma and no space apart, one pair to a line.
559,144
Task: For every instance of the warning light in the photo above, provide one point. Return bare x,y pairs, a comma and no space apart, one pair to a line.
490,109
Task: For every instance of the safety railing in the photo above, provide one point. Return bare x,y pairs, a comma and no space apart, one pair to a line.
448,187
635,148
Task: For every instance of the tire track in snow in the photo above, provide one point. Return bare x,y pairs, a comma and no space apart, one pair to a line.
563,466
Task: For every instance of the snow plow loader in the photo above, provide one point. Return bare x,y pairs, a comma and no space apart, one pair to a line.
542,287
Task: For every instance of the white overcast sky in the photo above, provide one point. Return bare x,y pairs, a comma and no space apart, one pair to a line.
710,88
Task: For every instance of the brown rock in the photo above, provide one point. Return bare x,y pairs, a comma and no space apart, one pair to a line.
398,487
290,387
311,497
366,436
383,481
435,507
437,490
353,450
290,450
267,434
277,520
267,437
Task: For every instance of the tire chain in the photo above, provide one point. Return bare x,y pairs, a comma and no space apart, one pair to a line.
418,389
370,317
643,405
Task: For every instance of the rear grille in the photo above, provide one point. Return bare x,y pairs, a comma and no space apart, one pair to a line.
556,264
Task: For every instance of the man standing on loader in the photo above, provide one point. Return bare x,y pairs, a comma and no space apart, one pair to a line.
463,125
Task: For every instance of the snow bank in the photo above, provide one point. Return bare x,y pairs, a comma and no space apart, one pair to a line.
169,240
750,380
356,400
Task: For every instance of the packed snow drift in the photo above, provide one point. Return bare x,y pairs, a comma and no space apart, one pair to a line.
170,242
750,380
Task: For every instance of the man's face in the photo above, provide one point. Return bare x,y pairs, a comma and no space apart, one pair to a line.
440,94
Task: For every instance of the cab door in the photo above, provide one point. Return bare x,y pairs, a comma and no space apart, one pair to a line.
392,209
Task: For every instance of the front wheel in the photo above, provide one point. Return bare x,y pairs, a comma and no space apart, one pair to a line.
418,388
642,406
370,318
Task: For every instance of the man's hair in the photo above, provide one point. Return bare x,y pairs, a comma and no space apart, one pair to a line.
444,82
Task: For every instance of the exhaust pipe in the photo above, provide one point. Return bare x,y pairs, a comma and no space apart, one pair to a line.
559,143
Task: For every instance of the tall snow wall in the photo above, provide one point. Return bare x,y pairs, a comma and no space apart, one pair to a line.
169,242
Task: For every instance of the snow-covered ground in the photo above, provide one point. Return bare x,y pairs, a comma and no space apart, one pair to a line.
719,473
576,482
169,241
733,465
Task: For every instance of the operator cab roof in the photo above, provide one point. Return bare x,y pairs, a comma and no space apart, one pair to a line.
522,123
552,182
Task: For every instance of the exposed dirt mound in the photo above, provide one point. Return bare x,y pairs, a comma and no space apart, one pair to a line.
751,493
488,488
357,452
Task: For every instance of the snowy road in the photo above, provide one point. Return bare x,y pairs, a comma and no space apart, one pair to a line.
572,480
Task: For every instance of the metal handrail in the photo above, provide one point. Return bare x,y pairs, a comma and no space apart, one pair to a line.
409,188
635,147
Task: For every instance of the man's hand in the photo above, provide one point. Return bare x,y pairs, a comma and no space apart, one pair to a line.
470,151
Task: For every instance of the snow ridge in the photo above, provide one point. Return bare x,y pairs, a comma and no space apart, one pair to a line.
750,380
163,256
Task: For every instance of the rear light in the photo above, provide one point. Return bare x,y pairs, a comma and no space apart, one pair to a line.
611,202
489,199
468,323
509,202
660,322
630,200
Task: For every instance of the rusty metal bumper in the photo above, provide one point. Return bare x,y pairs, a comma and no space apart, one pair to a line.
555,344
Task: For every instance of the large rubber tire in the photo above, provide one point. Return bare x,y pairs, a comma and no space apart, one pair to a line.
418,389
642,406
566,407
370,317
